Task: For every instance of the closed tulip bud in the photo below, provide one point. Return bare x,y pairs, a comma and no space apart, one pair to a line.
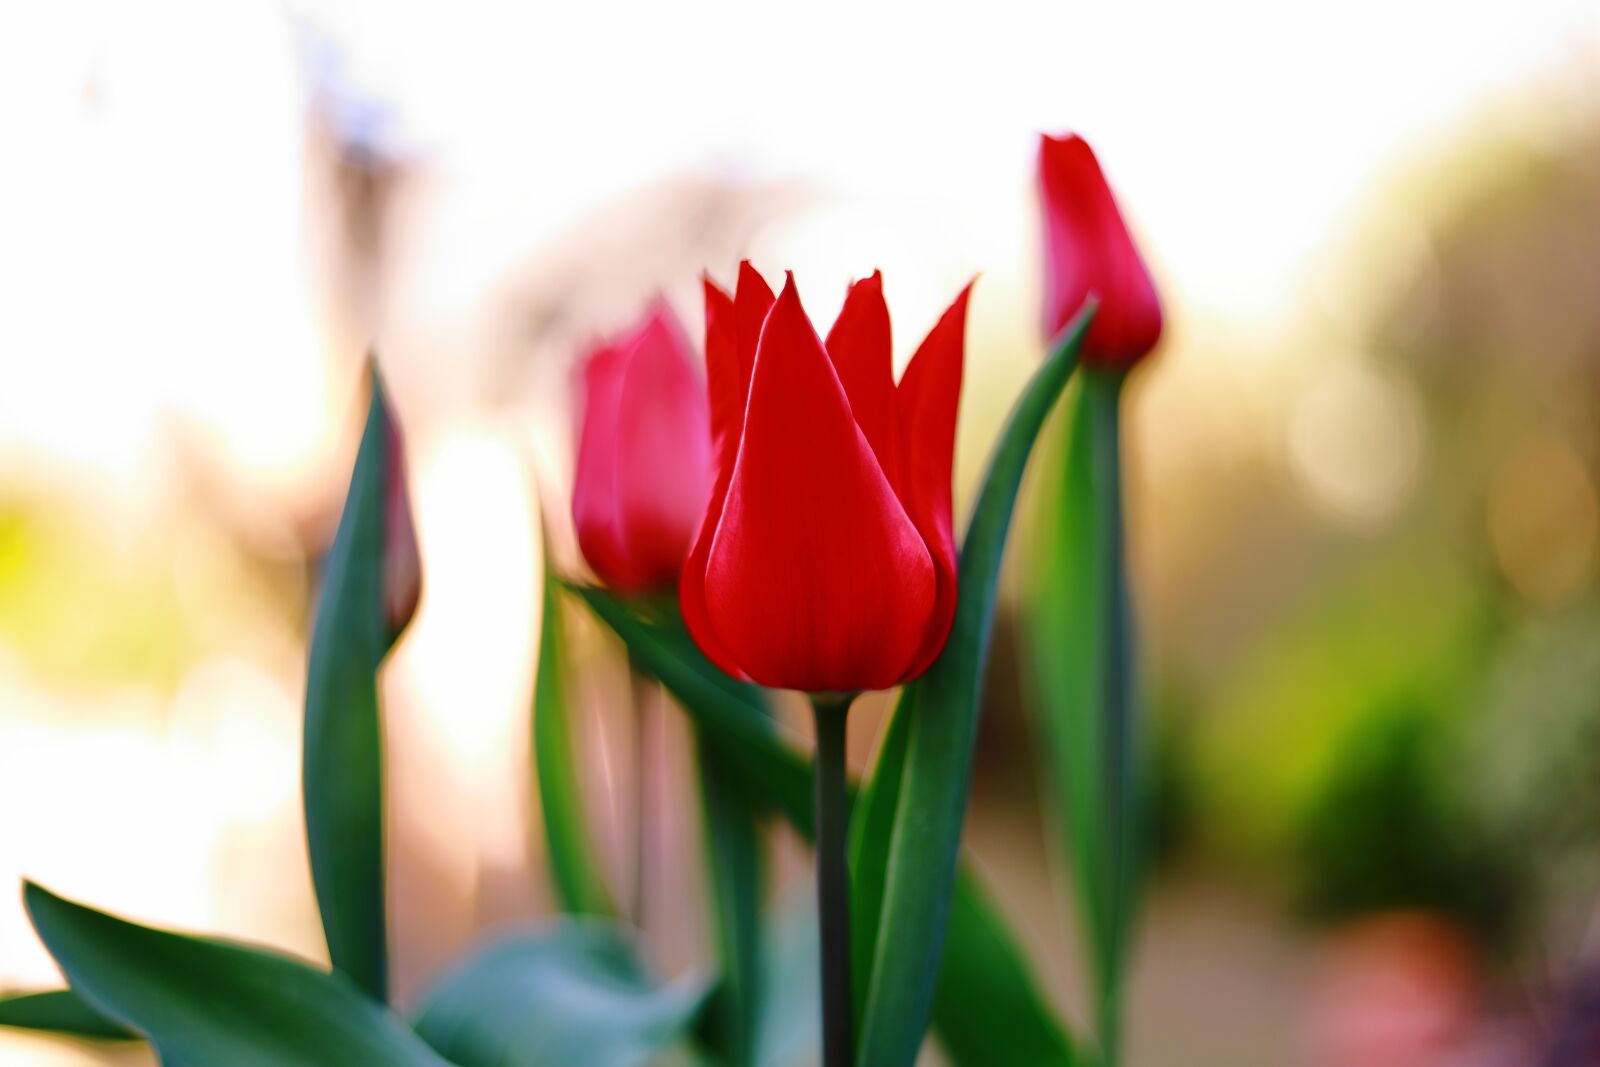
826,559
402,564
1089,252
644,456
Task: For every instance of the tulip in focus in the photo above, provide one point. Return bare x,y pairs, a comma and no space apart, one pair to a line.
826,560
1089,252
644,456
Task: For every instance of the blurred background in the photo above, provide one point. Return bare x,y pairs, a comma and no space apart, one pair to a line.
1365,517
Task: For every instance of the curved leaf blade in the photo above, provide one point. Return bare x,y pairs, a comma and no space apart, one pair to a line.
61,1011
933,794
342,776
575,869
204,1001
572,993
732,714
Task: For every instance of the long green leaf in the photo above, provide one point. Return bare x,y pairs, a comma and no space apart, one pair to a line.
731,714
573,865
1080,641
208,1003
735,869
61,1011
571,994
343,758
933,793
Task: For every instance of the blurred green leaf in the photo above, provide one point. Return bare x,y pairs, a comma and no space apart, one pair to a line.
987,1007
926,837
1079,641
573,865
343,764
60,1011
567,995
208,1003
791,1009
731,714
735,868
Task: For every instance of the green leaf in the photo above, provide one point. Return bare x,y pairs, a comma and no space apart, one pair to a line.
204,1002
733,715
61,1011
735,870
871,827
570,994
943,729
987,1007
1079,642
343,759
791,1009
579,883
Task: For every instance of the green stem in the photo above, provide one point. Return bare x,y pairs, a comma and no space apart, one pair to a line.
833,879
1119,728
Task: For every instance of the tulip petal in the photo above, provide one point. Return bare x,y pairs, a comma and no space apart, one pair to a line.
928,398
724,382
817,579
1088,251
644,470
863,357
752,299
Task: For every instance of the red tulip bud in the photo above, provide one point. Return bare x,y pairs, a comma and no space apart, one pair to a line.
402,564
826,560
1088,251
644,456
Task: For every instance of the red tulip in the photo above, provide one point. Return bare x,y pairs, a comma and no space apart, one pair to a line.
1088,251
826,560
644,456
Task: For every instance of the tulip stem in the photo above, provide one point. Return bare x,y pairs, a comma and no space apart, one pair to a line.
643,692
833,878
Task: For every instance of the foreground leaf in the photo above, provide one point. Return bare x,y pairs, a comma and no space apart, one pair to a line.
574,867
732,714
61,1011
932,803
207,1003
568,995
343,760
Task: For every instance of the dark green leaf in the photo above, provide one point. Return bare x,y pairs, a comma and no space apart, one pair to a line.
208,1003
61,1011
987,1007
735,870
576,870
343,764
731,714
570,995
1080,641
933,792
